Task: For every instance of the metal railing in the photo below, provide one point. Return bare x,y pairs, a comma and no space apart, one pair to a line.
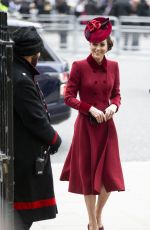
134,24
6,128
66,31
134,33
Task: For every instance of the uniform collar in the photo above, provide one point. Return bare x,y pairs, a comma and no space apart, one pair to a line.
95,65
27,66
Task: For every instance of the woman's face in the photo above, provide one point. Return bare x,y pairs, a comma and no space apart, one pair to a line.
98,50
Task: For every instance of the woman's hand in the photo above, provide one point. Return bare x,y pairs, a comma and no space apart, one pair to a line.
109,111
98,114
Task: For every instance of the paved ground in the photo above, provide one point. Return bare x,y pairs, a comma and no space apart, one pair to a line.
129,210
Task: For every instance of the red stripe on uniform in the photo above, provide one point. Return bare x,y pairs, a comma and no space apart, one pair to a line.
54,139
34,204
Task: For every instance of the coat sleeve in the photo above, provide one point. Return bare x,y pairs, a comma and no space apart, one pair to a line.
72,89
115,94
29,108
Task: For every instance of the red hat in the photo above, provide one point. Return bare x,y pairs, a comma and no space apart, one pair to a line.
98,29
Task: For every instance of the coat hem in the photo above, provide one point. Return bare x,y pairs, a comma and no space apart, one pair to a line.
38,214
95,193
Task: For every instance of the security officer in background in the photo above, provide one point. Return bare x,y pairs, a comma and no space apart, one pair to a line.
34,137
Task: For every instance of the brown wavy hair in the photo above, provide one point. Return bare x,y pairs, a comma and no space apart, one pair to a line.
110,43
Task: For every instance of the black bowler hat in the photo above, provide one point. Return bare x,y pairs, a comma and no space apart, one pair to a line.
27,41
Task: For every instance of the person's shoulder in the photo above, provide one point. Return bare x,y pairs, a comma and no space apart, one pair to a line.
112,62
80,62
112,65
20,76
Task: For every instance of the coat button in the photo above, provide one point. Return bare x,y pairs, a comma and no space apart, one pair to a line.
95,82
95,93
95,103
104,81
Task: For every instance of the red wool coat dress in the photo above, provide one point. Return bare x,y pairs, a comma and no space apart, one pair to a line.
93,159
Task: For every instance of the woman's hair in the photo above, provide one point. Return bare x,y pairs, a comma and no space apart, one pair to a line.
109,43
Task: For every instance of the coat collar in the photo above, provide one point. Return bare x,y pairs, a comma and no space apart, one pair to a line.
28,68
95,65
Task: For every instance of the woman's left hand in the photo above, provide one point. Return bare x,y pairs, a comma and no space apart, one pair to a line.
109,111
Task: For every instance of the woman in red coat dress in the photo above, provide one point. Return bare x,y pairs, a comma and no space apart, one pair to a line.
93,166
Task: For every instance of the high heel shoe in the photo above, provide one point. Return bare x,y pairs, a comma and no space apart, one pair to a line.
102,228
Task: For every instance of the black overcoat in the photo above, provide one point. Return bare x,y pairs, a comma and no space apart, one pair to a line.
34,197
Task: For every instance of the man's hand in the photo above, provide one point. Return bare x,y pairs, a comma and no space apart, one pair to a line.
54,148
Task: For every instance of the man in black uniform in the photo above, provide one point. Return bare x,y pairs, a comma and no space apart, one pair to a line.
34,137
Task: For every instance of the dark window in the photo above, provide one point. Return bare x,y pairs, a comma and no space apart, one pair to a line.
45,56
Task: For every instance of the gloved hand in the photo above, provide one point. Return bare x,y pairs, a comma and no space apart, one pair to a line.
54,148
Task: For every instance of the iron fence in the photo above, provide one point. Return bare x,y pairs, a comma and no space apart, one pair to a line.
6,128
